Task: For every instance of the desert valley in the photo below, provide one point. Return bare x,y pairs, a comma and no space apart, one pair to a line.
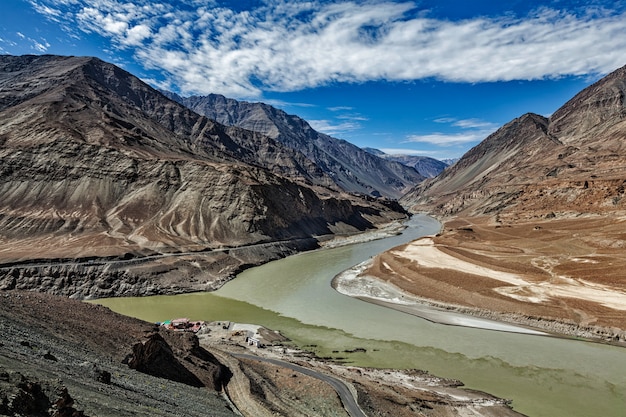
110,188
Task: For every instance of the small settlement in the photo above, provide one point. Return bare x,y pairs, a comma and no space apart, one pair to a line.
182,325
248,334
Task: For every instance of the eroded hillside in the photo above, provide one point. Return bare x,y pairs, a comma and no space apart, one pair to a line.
95,163
571,163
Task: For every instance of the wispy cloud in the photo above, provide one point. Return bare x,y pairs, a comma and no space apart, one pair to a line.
288,46
333,128
39,46
443,139
353,117
472,130
342,123
408,151
341,108
473,124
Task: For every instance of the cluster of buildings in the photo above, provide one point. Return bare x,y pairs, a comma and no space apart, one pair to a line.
182,325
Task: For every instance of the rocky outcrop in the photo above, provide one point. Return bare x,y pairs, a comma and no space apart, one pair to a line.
135,276
156,357
349,166
21,395
60,357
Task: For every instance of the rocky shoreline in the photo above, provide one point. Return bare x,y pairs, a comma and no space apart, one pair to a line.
162,274
136,276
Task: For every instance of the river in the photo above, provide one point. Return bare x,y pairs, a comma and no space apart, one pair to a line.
544,376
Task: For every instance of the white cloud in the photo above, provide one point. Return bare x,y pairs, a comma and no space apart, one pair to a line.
353,117
441,154
39,46
8,42
444,139
332,128
137,34
472,130
288,46
408,151
48,11
341,108
473,124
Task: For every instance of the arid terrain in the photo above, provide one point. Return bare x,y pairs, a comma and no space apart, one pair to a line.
95,362
561,276
109,189
106,177
534,222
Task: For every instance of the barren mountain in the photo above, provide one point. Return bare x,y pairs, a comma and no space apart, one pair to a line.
94,162
534,218
352,168
573,162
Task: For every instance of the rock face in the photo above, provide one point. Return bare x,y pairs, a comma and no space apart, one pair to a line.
21,395
352,168
93,162
572,162
156,357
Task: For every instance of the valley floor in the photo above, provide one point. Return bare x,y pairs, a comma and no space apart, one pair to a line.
560,276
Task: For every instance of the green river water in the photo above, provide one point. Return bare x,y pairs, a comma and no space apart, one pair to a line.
544,376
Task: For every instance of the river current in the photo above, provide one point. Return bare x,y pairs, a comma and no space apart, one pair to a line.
543,376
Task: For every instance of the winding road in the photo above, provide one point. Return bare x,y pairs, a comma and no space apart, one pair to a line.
347,398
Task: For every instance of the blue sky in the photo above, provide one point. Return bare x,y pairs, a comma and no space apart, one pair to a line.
430,77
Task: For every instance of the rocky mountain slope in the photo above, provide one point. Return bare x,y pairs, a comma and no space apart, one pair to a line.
426,166
352,168
572,162
94,162
100,363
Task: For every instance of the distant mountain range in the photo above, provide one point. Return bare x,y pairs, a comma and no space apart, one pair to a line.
428,167
351,168
572,162
94,162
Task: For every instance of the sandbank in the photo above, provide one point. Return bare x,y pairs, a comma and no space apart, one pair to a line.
353,283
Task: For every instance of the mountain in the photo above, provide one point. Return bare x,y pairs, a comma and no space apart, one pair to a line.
352,168
450,161
572,162
95,163
428,167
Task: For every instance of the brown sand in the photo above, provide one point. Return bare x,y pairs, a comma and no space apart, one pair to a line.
565,270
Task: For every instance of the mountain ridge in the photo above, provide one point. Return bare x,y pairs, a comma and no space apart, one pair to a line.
94,162
533,166
426,166
352,168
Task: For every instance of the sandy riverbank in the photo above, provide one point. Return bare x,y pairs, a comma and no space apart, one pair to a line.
368,288
531,278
